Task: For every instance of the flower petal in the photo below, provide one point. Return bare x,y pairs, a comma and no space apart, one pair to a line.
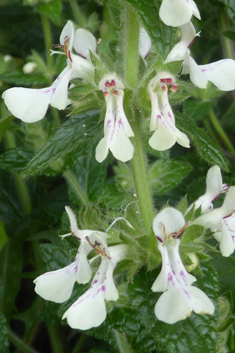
67,35
201,303
196,75
84,42
221,73
88,311
59,97
168,221
173,306
182,139
228,236
178,12
121,146
102,150
145,43
180,50
57,285
84,271
28,104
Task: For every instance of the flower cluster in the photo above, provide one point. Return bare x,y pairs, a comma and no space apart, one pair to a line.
88,310
180,298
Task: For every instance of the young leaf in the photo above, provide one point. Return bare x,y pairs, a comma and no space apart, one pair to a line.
165,175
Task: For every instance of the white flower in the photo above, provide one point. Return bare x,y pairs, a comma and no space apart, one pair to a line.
117,129
178,12
214,188
179,298
162,120
221,73
57,285
89,310
31,105
221,221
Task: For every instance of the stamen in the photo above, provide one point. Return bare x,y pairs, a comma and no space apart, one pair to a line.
97,248
177,235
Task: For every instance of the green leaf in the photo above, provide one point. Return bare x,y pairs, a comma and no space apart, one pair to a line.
15,160
3,235
4,344
191,233
165,175
52,10
54,256
17,77
196,109
206,148
230,8
161,35
69,136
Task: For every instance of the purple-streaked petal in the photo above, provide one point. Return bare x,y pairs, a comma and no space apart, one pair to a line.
180,50
57,285
221,73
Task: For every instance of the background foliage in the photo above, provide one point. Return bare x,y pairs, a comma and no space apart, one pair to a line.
49,164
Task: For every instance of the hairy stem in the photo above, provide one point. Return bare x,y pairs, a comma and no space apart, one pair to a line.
139,161
139,166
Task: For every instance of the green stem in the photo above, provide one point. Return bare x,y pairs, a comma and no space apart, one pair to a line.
80,18
20,183
139,161
220,131
48,45
122,342
139,166
73,182
56,117
55,339
132,45
19,343
228,45
79,345
206,122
